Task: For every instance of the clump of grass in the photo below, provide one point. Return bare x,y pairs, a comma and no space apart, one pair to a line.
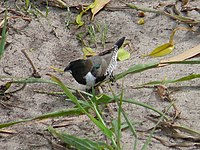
92,34
112,132
95,33
68,18
30,8
104,31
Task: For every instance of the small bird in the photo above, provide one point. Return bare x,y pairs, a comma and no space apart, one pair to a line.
96,68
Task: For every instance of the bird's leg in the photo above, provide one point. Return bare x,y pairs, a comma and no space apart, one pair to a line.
88,90
92,90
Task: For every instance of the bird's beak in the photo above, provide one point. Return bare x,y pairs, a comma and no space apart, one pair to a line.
67,69
120,42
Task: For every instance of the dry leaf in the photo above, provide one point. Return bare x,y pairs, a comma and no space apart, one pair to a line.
141,14
95,8
185,2
98,5
183,56
1,23
8,131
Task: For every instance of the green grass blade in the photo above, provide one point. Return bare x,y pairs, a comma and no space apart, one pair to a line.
119,117
148,141
3,125
96,109
145,106
142,67
78,143
104,32
104,98
187,130
27,3
21,80
60,113
3,36
65,89
135,69
74,111
117,123
68,93
92,34
33,80
183,62
131,127
186,78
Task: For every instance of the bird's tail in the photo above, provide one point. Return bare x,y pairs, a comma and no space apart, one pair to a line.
113,61
120,42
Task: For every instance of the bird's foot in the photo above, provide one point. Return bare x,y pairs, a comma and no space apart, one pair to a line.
91,89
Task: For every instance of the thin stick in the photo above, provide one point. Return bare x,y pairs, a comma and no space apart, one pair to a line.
35,73
175,17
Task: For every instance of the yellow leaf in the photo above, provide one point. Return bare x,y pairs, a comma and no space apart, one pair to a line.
167,47
98,5
79,17
141,21
95,8
183,56
87,52
162,50
123,54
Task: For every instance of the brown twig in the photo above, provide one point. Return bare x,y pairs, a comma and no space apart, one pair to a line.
8,132
35,73
6,105
17,90
164,94
182,19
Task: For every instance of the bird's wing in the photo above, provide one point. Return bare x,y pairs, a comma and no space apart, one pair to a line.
108,61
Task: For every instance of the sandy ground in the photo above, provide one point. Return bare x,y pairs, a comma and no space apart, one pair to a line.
49,43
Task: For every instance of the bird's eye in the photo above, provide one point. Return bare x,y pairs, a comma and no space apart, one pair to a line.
97,66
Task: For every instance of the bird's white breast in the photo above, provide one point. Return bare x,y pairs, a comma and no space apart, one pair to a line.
90,79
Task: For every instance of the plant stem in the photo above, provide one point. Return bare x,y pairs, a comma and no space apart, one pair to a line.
182,19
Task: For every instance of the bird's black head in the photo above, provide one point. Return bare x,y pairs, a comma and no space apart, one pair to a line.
79,68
